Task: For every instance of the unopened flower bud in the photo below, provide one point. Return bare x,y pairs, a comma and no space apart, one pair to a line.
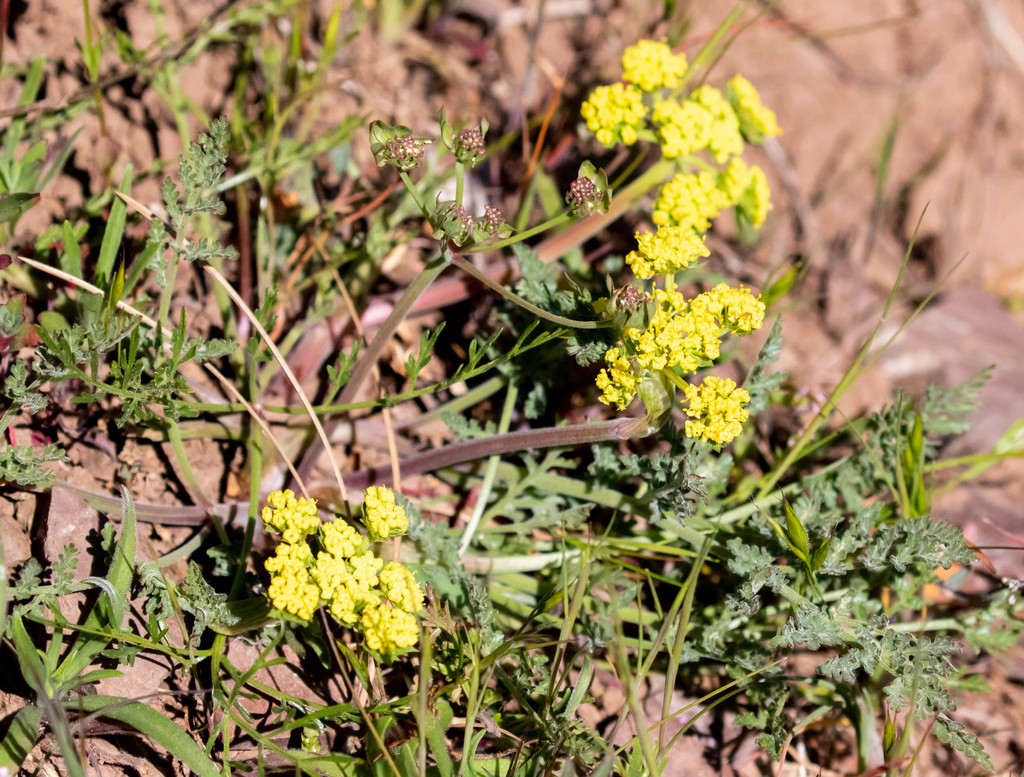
469,146
589,193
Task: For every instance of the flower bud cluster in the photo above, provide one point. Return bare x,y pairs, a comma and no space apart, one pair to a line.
340,571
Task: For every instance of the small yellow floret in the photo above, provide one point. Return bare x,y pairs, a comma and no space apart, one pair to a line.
669,250
399,585
388,629
718,408
615,113
756,121
682,128
381,515
293,518
724,139
618,382
651,65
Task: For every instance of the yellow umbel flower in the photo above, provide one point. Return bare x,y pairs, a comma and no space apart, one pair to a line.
718,408
724,139
733,180
755,202
340,539
381,515
293,518
365,568
683,128
615,113
350,599
652,65
399,585
736,309
756,121
618,382
330,573
291,591
689,201
388,629
287,553
678,335
669,250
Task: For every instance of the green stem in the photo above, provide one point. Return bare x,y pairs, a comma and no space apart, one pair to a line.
414,193
460,177
492,471
255,479
573,323
554,221
172,267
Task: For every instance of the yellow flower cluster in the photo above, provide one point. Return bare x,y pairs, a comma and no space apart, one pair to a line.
718,408
358,588
756,121
664,336
615,114
689,201
381,515
669,250
618,381
683,336
683,129
724,139
652,65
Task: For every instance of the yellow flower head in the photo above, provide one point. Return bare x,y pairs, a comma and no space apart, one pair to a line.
718,408
293,518
291,591
683,128
399,585
724,139
733,180
737,310
388,629
350,599
678,335
381,515
286,554
689,201
365,568
330,573
667,251
618,382
615,113
756,121
651,65
340,539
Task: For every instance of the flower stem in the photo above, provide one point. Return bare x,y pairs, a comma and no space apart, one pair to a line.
415,194
492,471
551,223
469,269
511,442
